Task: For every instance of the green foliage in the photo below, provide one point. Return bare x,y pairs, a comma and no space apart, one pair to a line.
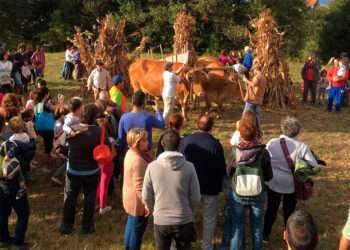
335,36
219,23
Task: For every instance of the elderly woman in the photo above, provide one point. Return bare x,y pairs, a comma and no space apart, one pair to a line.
252,167
5,72
282,184
135,164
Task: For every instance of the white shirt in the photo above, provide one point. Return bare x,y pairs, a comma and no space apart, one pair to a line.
100,79
282,181
21,137
69,56
235,138
341,71
170,80
26,71
5,68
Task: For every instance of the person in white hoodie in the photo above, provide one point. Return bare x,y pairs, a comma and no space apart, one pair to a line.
171,192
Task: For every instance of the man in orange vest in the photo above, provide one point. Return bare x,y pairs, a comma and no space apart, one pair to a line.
116,94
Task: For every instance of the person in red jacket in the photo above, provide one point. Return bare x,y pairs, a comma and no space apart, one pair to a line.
310,74
338,77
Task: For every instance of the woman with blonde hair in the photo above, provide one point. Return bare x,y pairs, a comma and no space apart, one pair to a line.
135,164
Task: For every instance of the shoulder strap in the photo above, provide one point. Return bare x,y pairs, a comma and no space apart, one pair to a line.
286,154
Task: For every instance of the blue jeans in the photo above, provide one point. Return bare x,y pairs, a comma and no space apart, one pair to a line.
255,207
134,230
8,202
228,224
338,94
254,109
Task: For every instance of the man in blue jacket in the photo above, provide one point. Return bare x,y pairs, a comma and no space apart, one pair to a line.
207,155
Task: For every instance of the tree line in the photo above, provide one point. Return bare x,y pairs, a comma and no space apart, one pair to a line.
219,23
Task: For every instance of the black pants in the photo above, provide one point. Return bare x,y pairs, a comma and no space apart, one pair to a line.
8,202
273,203
72,189
312,87
47,136
182,234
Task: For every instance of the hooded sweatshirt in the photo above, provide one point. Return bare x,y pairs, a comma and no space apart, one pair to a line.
171,189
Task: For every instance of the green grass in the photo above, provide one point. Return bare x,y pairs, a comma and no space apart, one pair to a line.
327,134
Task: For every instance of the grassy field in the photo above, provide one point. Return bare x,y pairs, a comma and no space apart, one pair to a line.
327,134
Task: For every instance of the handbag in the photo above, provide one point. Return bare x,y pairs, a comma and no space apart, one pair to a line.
303,190
102,153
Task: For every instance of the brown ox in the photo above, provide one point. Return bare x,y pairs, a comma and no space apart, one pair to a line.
147,75
216,85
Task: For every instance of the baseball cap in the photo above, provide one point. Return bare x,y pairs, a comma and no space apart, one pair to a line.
117,79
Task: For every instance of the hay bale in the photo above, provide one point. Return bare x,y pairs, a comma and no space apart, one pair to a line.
110,47
184,27
267,41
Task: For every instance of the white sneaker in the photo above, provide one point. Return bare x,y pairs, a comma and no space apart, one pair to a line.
105,210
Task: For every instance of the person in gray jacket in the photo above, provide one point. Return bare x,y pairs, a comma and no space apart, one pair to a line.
171,192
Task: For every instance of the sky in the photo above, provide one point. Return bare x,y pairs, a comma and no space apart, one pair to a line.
325,1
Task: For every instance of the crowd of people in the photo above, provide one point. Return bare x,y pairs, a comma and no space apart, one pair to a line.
332,81
20,67
103,141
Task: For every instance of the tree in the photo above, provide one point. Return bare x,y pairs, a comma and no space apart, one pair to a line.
335,37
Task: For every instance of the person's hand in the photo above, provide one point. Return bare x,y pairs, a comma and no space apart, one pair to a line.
147,212
335,78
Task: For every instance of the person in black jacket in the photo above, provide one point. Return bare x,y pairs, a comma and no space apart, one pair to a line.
207,155
83,172
9,199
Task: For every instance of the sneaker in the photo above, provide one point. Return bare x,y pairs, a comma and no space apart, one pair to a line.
56,181
105,210
266,240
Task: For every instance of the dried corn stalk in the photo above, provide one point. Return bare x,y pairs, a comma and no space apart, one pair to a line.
184,27
267,44
110,47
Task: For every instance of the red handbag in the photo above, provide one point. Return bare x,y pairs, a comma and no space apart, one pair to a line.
102,153
303,190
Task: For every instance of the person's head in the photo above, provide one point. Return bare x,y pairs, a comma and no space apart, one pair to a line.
137,139
171,140
205,122
223,52
32,95
27,115
16,124
323,73
117,79
99,64
75,105
4,56
25,62
168,66
69,46
10,100
301,232
139,99
247,49
21,47
41,83
344,60
101,106
29,47
248,128
103,95
290,126
175,121
89,114
61,112
41,94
